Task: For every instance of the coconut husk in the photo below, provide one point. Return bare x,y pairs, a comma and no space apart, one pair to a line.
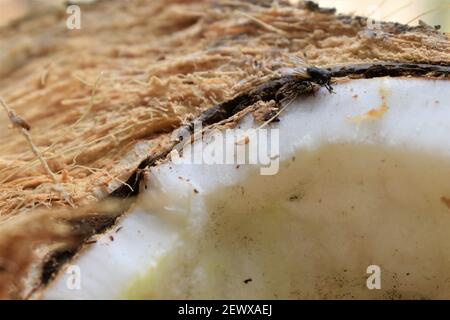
101,100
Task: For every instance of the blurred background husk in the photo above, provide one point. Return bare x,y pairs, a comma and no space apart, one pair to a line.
432,12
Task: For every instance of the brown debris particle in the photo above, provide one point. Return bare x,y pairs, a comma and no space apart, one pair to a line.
446,201
243,141
265,111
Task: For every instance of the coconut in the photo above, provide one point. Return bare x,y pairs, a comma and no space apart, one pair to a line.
102,120
360,181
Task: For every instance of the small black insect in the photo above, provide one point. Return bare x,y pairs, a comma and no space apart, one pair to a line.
303,71
321,77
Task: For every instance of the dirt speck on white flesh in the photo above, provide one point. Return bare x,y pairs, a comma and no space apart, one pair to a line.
349,194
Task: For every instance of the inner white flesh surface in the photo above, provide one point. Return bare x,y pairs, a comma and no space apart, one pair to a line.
351,192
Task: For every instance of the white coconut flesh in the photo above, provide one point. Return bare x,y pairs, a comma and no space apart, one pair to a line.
356,187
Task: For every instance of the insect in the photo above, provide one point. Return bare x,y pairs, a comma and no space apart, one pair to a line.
321,77
303,71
